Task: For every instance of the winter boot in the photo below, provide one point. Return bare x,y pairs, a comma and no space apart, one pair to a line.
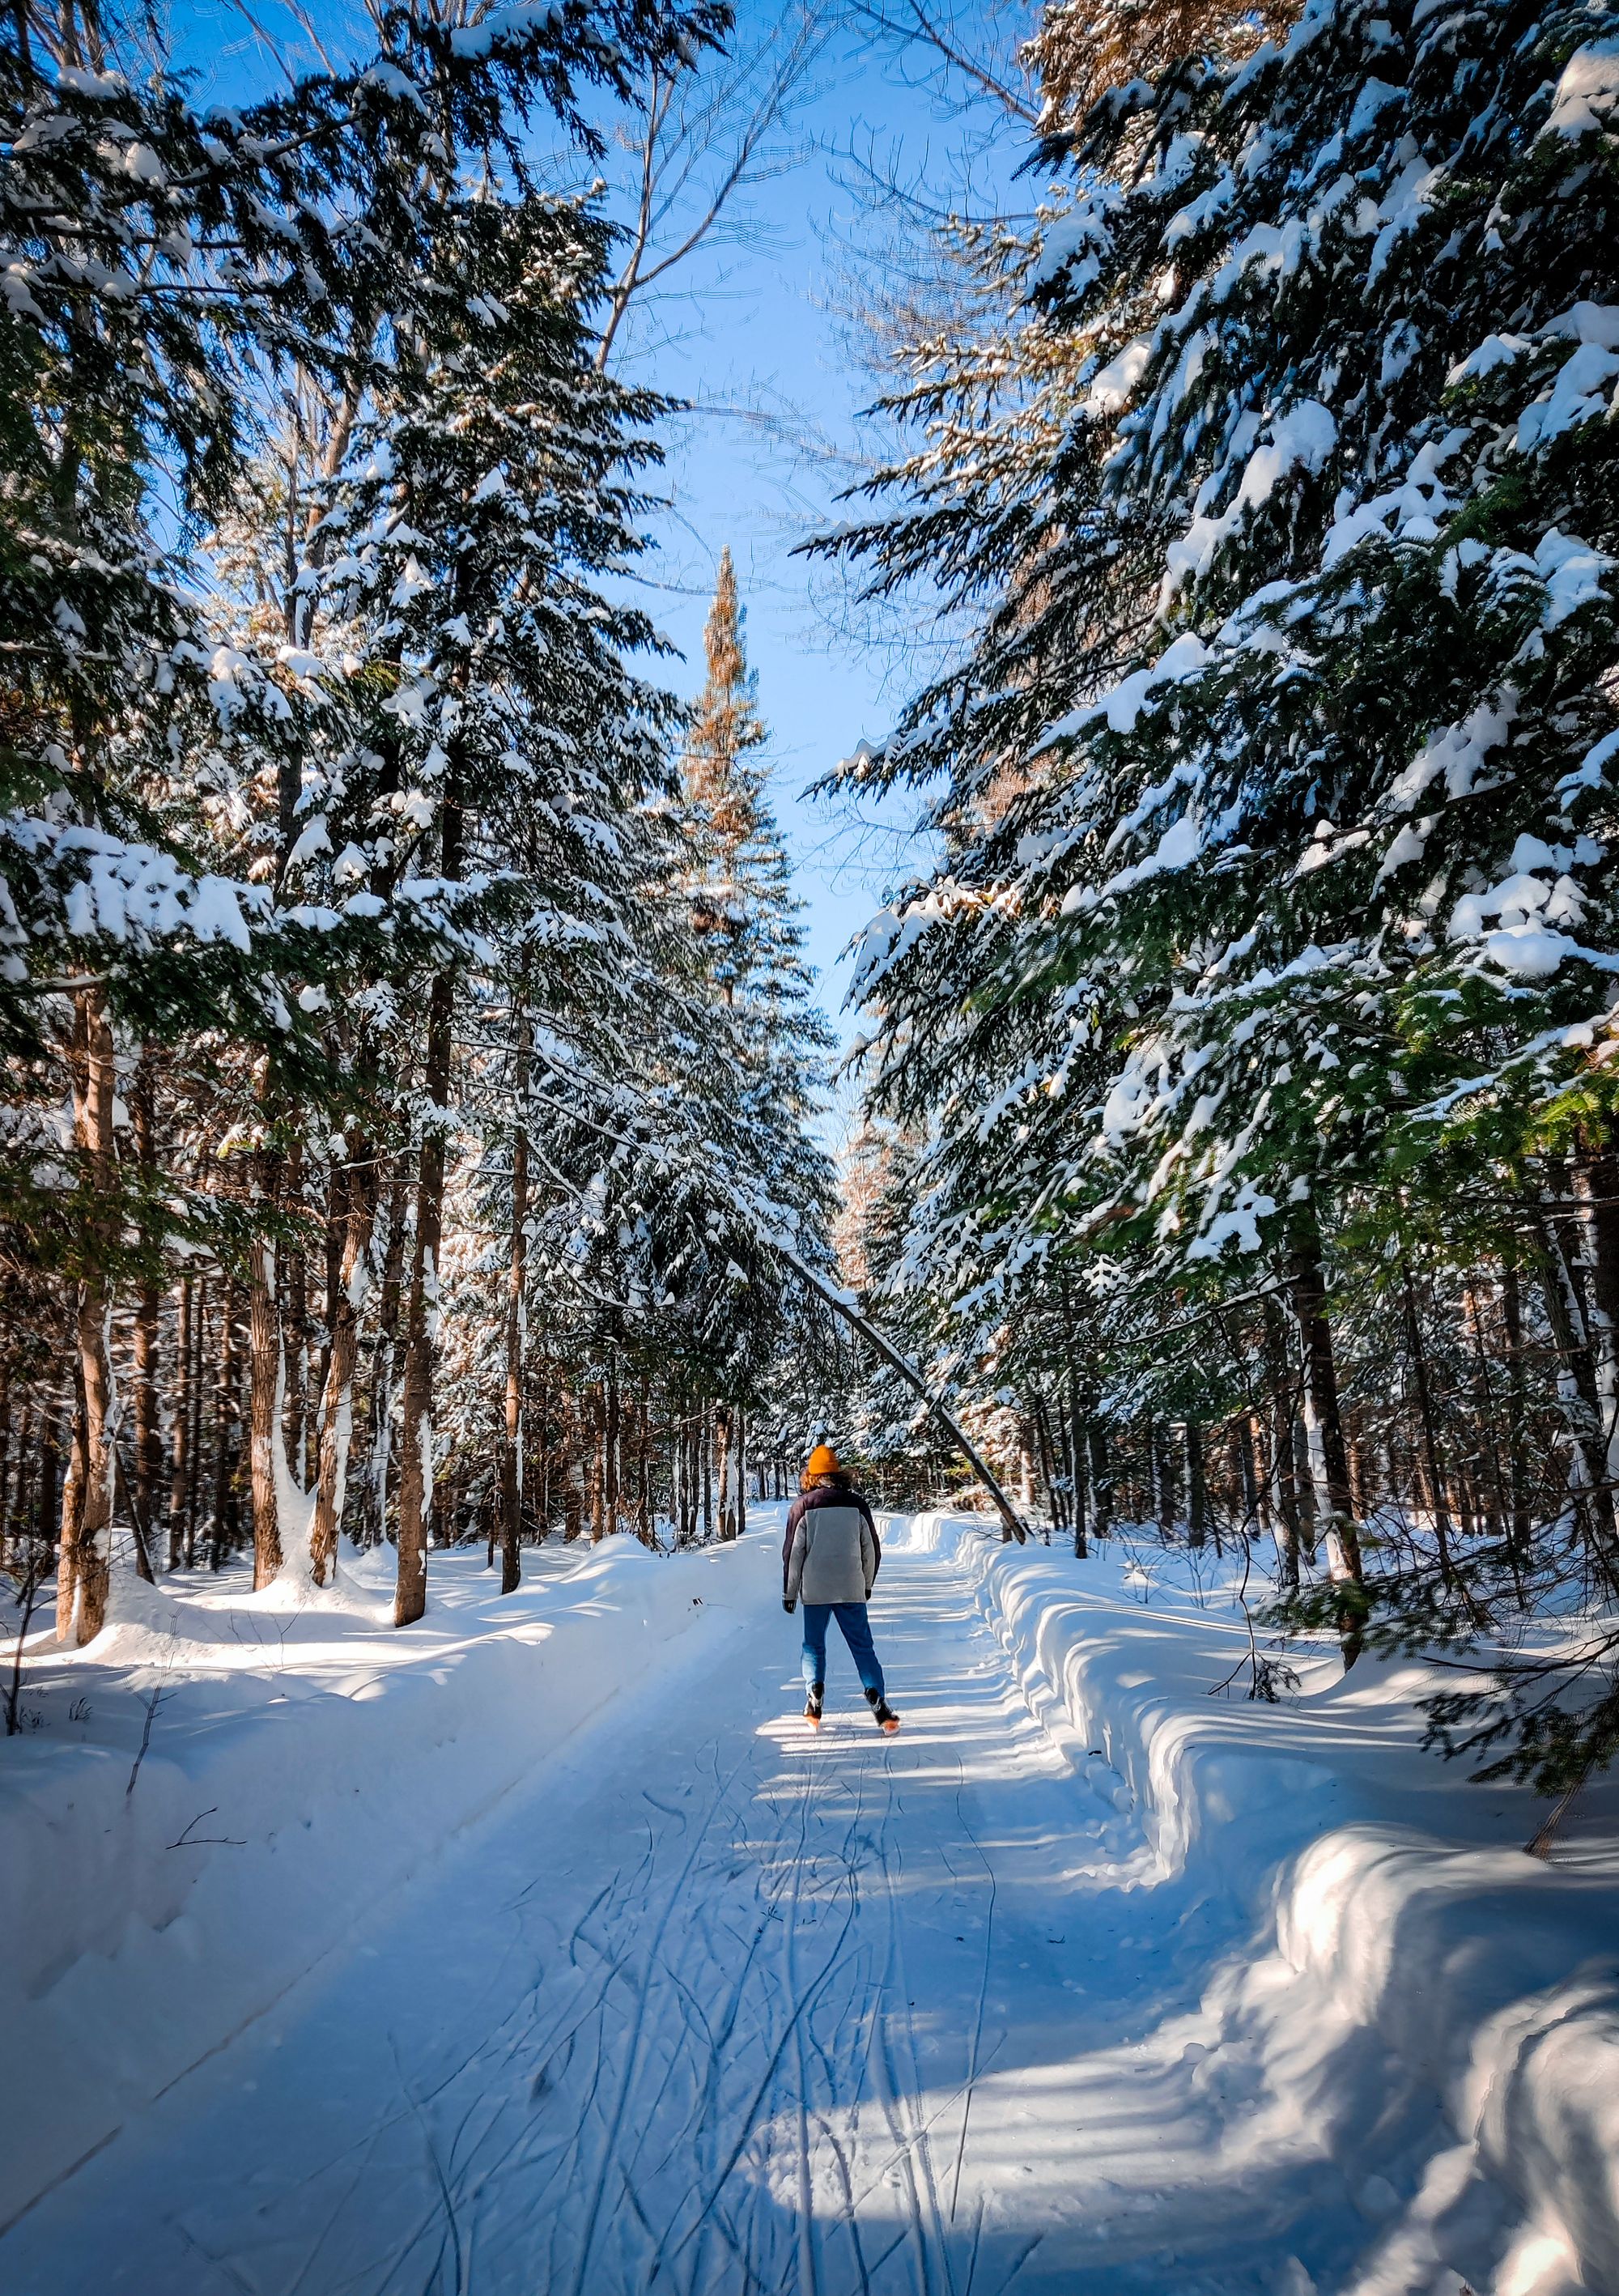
812,1706
886,1719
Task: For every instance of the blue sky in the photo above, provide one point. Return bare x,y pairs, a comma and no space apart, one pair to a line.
756,343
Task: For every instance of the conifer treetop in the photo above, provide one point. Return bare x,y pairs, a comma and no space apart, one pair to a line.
727,724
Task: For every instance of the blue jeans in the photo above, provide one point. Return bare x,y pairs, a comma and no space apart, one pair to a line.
856,1632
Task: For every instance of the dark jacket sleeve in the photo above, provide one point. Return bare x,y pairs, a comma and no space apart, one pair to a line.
795,1516
870,1525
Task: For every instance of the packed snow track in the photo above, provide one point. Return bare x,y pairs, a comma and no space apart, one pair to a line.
714,2004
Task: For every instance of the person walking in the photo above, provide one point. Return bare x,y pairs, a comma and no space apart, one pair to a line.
830,1559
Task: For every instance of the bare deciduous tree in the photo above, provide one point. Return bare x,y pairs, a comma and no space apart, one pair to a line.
704,136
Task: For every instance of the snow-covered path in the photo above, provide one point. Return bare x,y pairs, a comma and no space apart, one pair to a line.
715,2004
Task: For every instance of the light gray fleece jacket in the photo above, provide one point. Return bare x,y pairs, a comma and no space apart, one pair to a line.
833,1555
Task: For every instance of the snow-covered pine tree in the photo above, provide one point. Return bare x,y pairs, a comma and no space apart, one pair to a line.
150,262
1278,897
503,777
746,912
746,918
161,267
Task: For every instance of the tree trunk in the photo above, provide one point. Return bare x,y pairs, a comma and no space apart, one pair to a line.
1517,1464
14,1498
387,1350
224,1413
5,1458
337,1401
1161,1479
1102,1479
1248,1478
1486,1414
421,1323
148,1421
643,1471
573,1470
292,1271
1597,1184
727,1466
1076,1455
48,1520
1430,1439
677,1466
542,1444
596,1483
690,1473
179,1473
695,1409
331,1253
517,1283
85,1570
1049,1469
1324,1437
1576,1392
267,1373
707,1467
1197,1487
1012,1525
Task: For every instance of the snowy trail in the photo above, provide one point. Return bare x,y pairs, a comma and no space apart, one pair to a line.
715,2004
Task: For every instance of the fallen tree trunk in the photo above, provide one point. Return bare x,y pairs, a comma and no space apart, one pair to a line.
841,1305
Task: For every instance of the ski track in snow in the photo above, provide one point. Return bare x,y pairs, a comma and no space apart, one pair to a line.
716,2004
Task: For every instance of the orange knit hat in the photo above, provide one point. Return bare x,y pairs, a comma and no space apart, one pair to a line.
822,1461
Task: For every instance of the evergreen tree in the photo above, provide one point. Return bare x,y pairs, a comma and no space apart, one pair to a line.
744,907
1275,933
161,270
746,916
498,784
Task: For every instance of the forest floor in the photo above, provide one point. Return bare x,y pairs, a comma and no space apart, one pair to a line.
707,2001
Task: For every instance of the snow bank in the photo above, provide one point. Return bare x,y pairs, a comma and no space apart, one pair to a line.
1388,1887
304,1760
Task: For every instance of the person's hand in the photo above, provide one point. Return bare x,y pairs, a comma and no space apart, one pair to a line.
789,1605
